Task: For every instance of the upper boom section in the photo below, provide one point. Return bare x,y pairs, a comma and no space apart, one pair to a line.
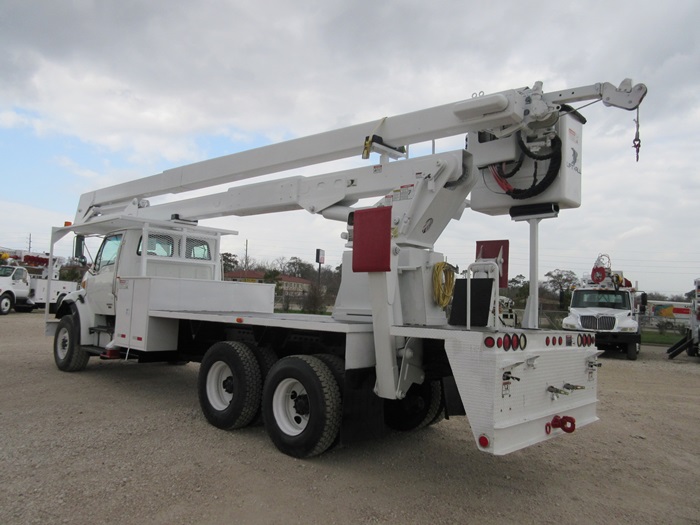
503,113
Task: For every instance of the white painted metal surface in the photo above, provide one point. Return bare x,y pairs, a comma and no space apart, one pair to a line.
506,413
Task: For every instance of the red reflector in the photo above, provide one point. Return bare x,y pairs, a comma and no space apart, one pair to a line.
515,341
484,441
123,336
489,342
239,319
506,342
139,338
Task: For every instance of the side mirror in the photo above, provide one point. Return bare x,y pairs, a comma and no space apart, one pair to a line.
643,304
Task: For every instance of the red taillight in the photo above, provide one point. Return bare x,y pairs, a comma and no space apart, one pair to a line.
546,341
506,342
484,441
490,342
499,342
561,341
515,341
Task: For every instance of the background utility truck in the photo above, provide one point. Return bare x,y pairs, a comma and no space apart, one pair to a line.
25,292
387,358
605,306
690,343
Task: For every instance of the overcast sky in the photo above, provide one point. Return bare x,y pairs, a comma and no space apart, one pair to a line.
96,92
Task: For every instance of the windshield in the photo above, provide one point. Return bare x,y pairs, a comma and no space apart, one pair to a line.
600,299
6,271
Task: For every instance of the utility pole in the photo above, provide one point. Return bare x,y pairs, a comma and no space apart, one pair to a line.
320,259
29,249
245,262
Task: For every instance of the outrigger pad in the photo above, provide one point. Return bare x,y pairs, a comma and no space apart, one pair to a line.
371,245
480,299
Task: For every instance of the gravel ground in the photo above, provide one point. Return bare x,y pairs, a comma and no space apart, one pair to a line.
126,443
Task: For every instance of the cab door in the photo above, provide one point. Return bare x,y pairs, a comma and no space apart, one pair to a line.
20,285
101,289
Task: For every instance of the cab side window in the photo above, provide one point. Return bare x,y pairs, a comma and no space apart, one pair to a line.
109,250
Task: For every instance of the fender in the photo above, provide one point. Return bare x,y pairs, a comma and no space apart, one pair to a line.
75,304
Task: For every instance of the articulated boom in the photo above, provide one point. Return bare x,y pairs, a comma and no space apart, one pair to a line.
502,114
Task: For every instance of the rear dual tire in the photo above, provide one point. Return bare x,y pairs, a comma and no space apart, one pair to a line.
229,385
301,406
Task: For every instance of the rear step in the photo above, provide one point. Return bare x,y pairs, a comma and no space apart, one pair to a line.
102,330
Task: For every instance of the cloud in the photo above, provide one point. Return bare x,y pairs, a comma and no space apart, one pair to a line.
138,87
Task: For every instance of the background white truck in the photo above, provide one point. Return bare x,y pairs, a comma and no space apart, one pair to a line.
690,343
25,292
388,357
605,306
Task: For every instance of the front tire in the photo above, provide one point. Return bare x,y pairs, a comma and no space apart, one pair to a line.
67,353
301,406
229,385
6,303
632,351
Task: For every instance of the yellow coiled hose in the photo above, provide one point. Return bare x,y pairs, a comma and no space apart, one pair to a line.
443,283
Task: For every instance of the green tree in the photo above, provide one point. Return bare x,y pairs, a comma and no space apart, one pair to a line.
560,282
229,262
313,301
273,276
71,272
518,290
298,268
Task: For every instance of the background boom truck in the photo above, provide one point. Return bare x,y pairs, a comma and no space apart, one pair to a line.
605,306
387,358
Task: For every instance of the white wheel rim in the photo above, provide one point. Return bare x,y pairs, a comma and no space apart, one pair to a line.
4,304
285,407
217,394
62,343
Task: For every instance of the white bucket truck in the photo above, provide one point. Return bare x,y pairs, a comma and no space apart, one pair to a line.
387,358
605,308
